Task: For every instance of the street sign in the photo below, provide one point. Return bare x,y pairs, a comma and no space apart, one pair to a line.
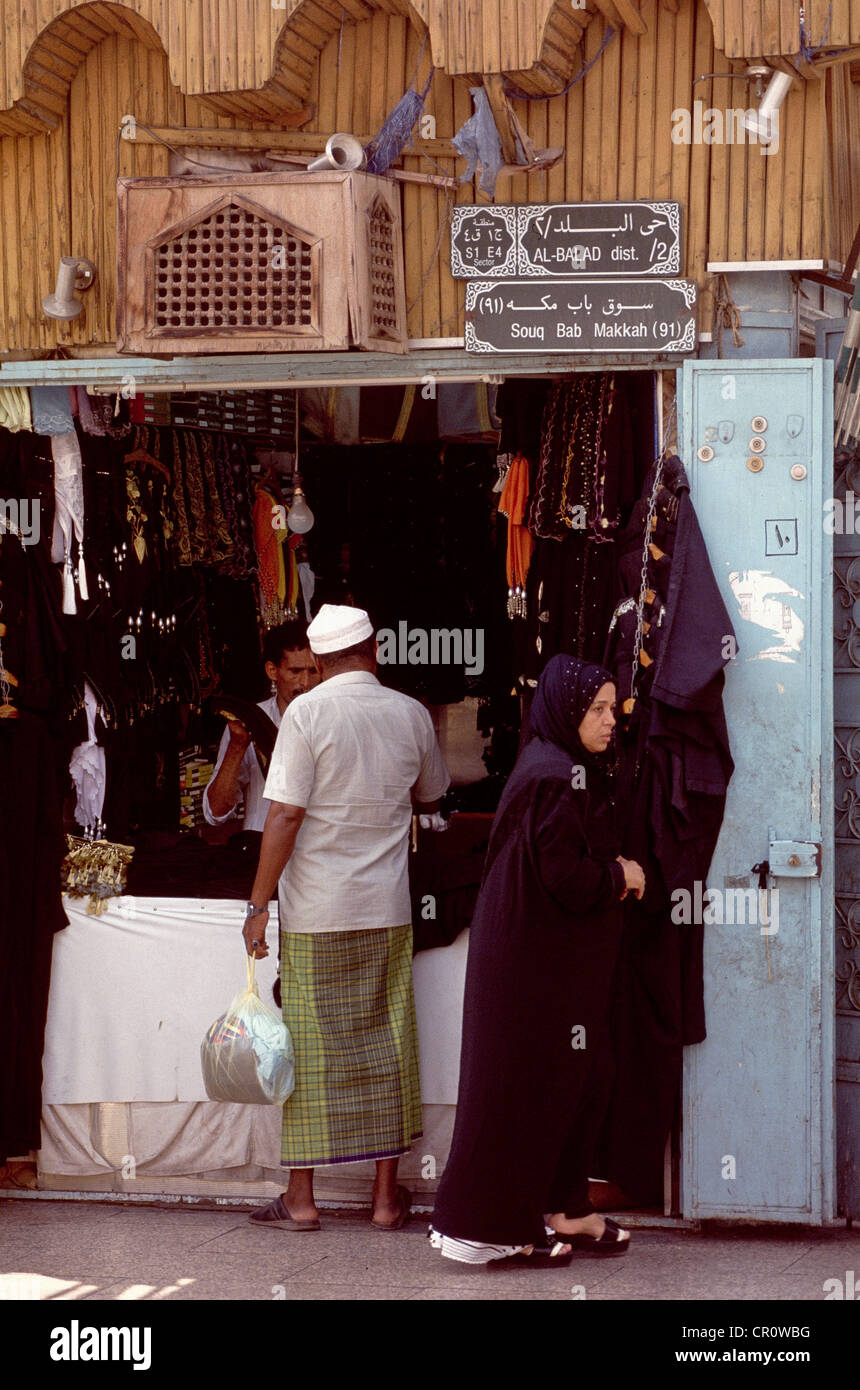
562,239
580,316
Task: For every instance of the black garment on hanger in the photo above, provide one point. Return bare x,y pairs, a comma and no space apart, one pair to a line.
675,766
31,839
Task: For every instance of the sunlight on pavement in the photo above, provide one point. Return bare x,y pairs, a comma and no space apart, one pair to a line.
42,1286
141,1291
20,1287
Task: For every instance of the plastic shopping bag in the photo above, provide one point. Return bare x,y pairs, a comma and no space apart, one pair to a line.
247,1054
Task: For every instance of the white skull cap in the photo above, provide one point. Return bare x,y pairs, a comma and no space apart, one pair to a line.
337,626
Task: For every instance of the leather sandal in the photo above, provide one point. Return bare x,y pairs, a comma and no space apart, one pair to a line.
548,1255
404,1204
277,1216
607,1244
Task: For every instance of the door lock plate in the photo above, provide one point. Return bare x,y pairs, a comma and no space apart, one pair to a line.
794,859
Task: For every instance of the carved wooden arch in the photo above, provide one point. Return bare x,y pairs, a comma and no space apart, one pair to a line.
267,73
533,42
54,55
264,72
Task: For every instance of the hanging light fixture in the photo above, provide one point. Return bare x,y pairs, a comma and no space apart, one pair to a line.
300,518
764,123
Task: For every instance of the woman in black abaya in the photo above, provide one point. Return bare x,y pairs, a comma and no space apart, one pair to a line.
542,951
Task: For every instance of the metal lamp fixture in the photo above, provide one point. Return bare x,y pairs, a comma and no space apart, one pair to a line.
764,123
75,273
757,72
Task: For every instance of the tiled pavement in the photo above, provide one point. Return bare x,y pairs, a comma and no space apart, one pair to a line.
64,1250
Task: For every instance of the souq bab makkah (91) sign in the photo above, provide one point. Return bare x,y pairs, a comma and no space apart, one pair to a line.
523,263
655,316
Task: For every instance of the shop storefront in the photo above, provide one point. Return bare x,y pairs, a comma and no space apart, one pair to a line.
412,528
473,469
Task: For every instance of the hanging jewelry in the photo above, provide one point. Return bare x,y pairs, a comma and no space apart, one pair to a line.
646,555
601,525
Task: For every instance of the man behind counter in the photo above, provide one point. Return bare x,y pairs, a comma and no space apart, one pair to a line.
290,668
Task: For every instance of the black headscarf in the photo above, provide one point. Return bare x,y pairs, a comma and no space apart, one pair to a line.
565,692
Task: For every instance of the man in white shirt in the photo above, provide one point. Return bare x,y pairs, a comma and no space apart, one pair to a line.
351,762
237,775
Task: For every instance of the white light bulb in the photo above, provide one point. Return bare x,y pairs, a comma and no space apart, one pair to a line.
300,518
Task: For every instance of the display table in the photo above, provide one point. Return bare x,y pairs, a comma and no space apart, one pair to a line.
133,992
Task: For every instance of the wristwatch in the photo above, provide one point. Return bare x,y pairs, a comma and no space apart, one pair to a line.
252,910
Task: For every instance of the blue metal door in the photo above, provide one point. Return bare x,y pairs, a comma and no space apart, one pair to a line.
758,1118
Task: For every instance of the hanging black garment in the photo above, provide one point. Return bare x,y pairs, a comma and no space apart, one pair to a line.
27,472
31,839
675,766
541,955
31,851
520,404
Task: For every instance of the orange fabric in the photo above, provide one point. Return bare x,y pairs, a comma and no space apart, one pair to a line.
268,541
513,504
293,594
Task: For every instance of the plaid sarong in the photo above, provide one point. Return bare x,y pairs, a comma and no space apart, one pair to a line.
348,1003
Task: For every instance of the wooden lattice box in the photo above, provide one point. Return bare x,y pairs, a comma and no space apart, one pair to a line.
260,263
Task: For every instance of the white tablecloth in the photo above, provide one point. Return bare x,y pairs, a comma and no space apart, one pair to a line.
132,994
134,990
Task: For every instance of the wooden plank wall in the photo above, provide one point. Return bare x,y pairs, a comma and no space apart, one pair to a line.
842,190
762,28
616,126
502,36
191,34
58,197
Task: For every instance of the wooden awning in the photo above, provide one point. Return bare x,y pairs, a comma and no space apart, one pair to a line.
256,59
771,28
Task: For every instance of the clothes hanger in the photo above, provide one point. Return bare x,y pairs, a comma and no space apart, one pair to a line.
147,459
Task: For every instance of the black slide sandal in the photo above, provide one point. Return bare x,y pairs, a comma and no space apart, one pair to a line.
607,1244
541,1256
